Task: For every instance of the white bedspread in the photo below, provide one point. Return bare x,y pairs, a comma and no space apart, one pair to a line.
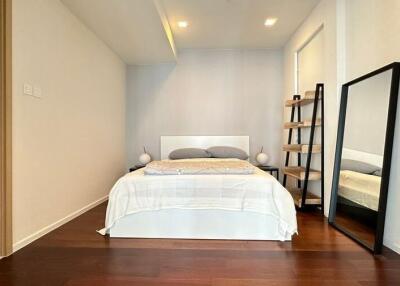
259,192
360,188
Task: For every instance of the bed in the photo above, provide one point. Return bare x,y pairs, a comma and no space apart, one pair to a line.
359,185
362,189
201,206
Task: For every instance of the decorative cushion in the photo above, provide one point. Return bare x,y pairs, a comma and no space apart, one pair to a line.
227,152
188,153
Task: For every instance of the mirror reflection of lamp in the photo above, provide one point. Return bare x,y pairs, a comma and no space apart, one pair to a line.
262,158
144,158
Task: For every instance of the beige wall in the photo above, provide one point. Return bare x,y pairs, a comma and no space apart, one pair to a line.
372,40
208,92
68,145
324,15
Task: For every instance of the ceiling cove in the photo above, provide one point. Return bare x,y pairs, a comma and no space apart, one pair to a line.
148,31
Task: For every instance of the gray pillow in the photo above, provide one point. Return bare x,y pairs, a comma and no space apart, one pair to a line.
378,173
188,153
358,166
227,152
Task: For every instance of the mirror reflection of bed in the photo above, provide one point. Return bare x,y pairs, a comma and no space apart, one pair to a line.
362,157
358,198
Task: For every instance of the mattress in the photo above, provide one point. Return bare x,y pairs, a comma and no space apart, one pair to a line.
363,189
258,192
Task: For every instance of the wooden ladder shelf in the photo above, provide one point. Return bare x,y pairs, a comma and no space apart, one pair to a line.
301,148
303,174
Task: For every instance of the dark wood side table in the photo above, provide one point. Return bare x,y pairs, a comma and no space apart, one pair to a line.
136,167
270,169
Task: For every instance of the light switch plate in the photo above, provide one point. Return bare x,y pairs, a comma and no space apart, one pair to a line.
28,89
37,91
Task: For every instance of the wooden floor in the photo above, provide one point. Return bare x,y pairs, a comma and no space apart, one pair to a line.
75,255
362,230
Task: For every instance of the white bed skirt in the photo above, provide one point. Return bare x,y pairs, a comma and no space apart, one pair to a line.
199,224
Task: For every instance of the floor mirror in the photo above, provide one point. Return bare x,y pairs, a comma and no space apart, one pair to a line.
363,155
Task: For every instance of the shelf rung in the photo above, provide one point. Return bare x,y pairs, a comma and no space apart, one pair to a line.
301,148
308,98
301,124
299,173
309,94
299,102
311,199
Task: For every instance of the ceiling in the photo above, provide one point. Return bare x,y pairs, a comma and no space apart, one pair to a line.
235,23
146,31
131,28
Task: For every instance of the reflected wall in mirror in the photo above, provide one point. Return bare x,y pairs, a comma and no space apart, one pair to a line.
363,154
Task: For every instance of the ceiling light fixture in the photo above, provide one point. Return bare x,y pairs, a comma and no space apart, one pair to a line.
183,24
269,22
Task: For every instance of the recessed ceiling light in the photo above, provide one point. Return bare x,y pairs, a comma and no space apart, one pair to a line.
183,24
269,22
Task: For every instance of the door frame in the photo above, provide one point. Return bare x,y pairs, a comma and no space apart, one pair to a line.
5,128
296,56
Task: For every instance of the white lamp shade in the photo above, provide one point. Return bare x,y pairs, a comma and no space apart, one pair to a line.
144,159
262,158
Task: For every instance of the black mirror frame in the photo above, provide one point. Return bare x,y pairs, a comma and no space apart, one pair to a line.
387,155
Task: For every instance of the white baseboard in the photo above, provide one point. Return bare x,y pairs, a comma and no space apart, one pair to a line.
27,240
395,246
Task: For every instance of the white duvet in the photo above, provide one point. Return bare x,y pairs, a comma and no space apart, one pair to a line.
259,192
360,188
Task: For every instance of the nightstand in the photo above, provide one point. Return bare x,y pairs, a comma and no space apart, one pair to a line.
270,169
136,167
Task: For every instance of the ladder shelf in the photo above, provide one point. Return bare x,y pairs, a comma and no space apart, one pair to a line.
303,174
308,98
311,199
302,124
301,148
299,173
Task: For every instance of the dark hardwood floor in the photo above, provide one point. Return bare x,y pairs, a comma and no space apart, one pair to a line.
76,255
362,230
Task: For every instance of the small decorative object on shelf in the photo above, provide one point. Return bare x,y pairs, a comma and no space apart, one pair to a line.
144,158
262,158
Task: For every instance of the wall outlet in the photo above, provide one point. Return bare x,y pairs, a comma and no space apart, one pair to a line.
37,91
28,89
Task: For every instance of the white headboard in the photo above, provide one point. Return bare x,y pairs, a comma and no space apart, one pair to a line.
170,143
376,160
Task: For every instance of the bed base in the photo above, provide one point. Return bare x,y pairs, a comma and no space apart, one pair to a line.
357,211
198,224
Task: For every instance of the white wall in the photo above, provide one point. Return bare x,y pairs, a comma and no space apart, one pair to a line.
208,92
372,40
68,146
322,15
359,36
310,62
367,103
310,70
